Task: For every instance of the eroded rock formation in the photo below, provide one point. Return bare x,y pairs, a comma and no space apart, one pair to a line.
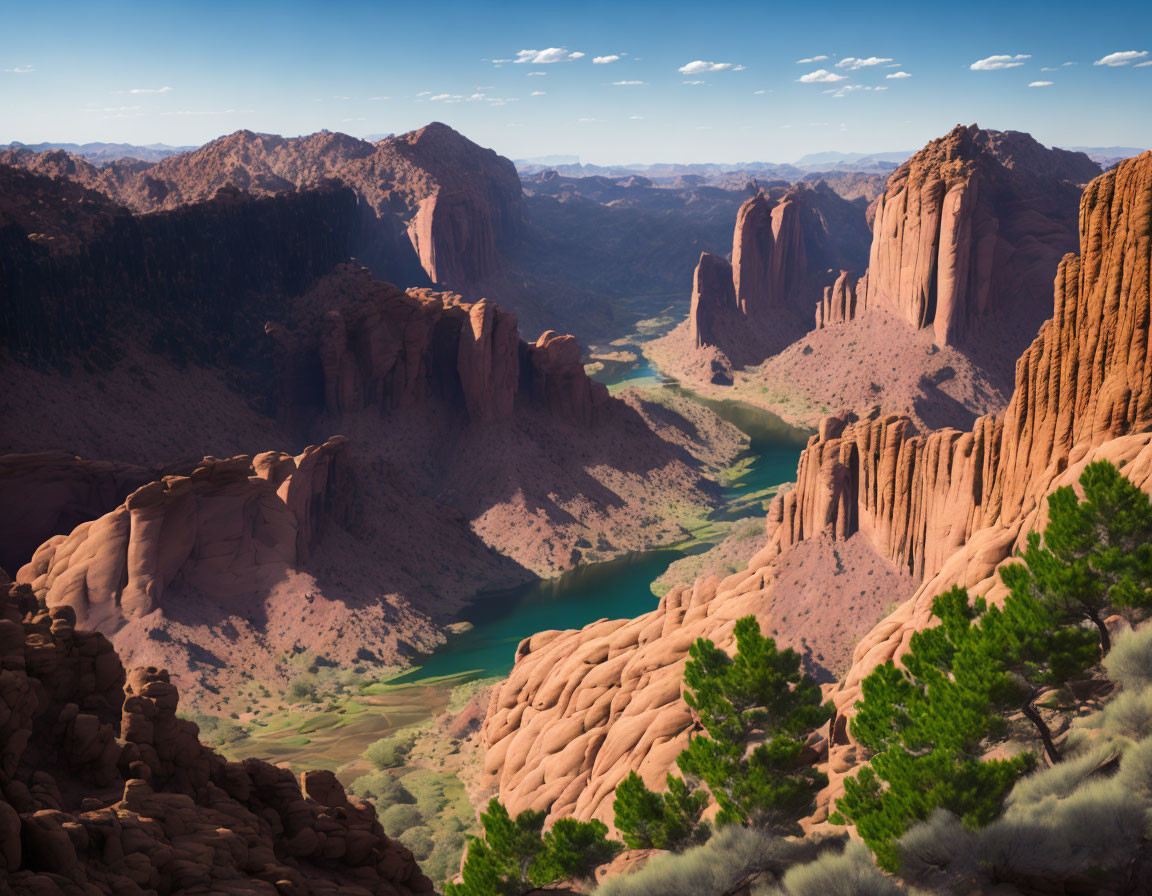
367,344
581,709
971,226
786,242
104,789
229,528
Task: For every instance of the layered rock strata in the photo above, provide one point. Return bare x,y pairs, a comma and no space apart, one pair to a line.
104,789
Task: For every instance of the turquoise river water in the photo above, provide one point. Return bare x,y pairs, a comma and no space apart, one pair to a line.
615,588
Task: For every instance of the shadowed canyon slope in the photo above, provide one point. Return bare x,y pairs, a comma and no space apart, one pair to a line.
226,331
105,789
583,708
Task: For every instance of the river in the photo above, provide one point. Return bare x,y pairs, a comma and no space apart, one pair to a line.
615,588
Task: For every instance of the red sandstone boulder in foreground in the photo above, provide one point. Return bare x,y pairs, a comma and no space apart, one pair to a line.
104,789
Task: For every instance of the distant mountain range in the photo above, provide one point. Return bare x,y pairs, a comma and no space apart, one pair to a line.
1107,156
101,153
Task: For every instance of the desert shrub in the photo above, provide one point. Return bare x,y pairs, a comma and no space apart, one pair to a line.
1060,780
391,751
444,862
420,840
849,873
733,855
757,696
400,818
303,687
1085,816
1130,660
650,820
382,787
216,731
1135,774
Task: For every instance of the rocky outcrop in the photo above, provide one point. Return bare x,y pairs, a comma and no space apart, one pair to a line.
971,226
55,492
104,790
713,299
582,709
229,528
361,343
839,301
785,243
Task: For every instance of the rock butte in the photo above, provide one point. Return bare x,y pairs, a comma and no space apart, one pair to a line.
970,226
583,708
786,242
104,789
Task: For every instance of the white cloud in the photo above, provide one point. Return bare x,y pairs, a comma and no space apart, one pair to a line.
587,119
693,83
544,57
1142,64
1122,58
810,60
378,98
1071,63
635,117
1040,84
852,62
898,76
339,96
820,76
20,70
150,90
627,83
759,92
446,98
992,63
841,92
537,74
538,93
604,60
699,66
424,93
483,87
1048,68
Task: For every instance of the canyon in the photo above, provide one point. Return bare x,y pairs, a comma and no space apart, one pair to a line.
583,708
252,439
277,400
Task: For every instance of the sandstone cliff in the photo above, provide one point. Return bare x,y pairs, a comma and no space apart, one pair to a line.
971,227
104,789
581,709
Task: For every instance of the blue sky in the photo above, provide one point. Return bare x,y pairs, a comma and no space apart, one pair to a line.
894,74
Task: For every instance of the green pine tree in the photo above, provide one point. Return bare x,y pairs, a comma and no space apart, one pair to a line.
650,820
1096,554
514,856
760,699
